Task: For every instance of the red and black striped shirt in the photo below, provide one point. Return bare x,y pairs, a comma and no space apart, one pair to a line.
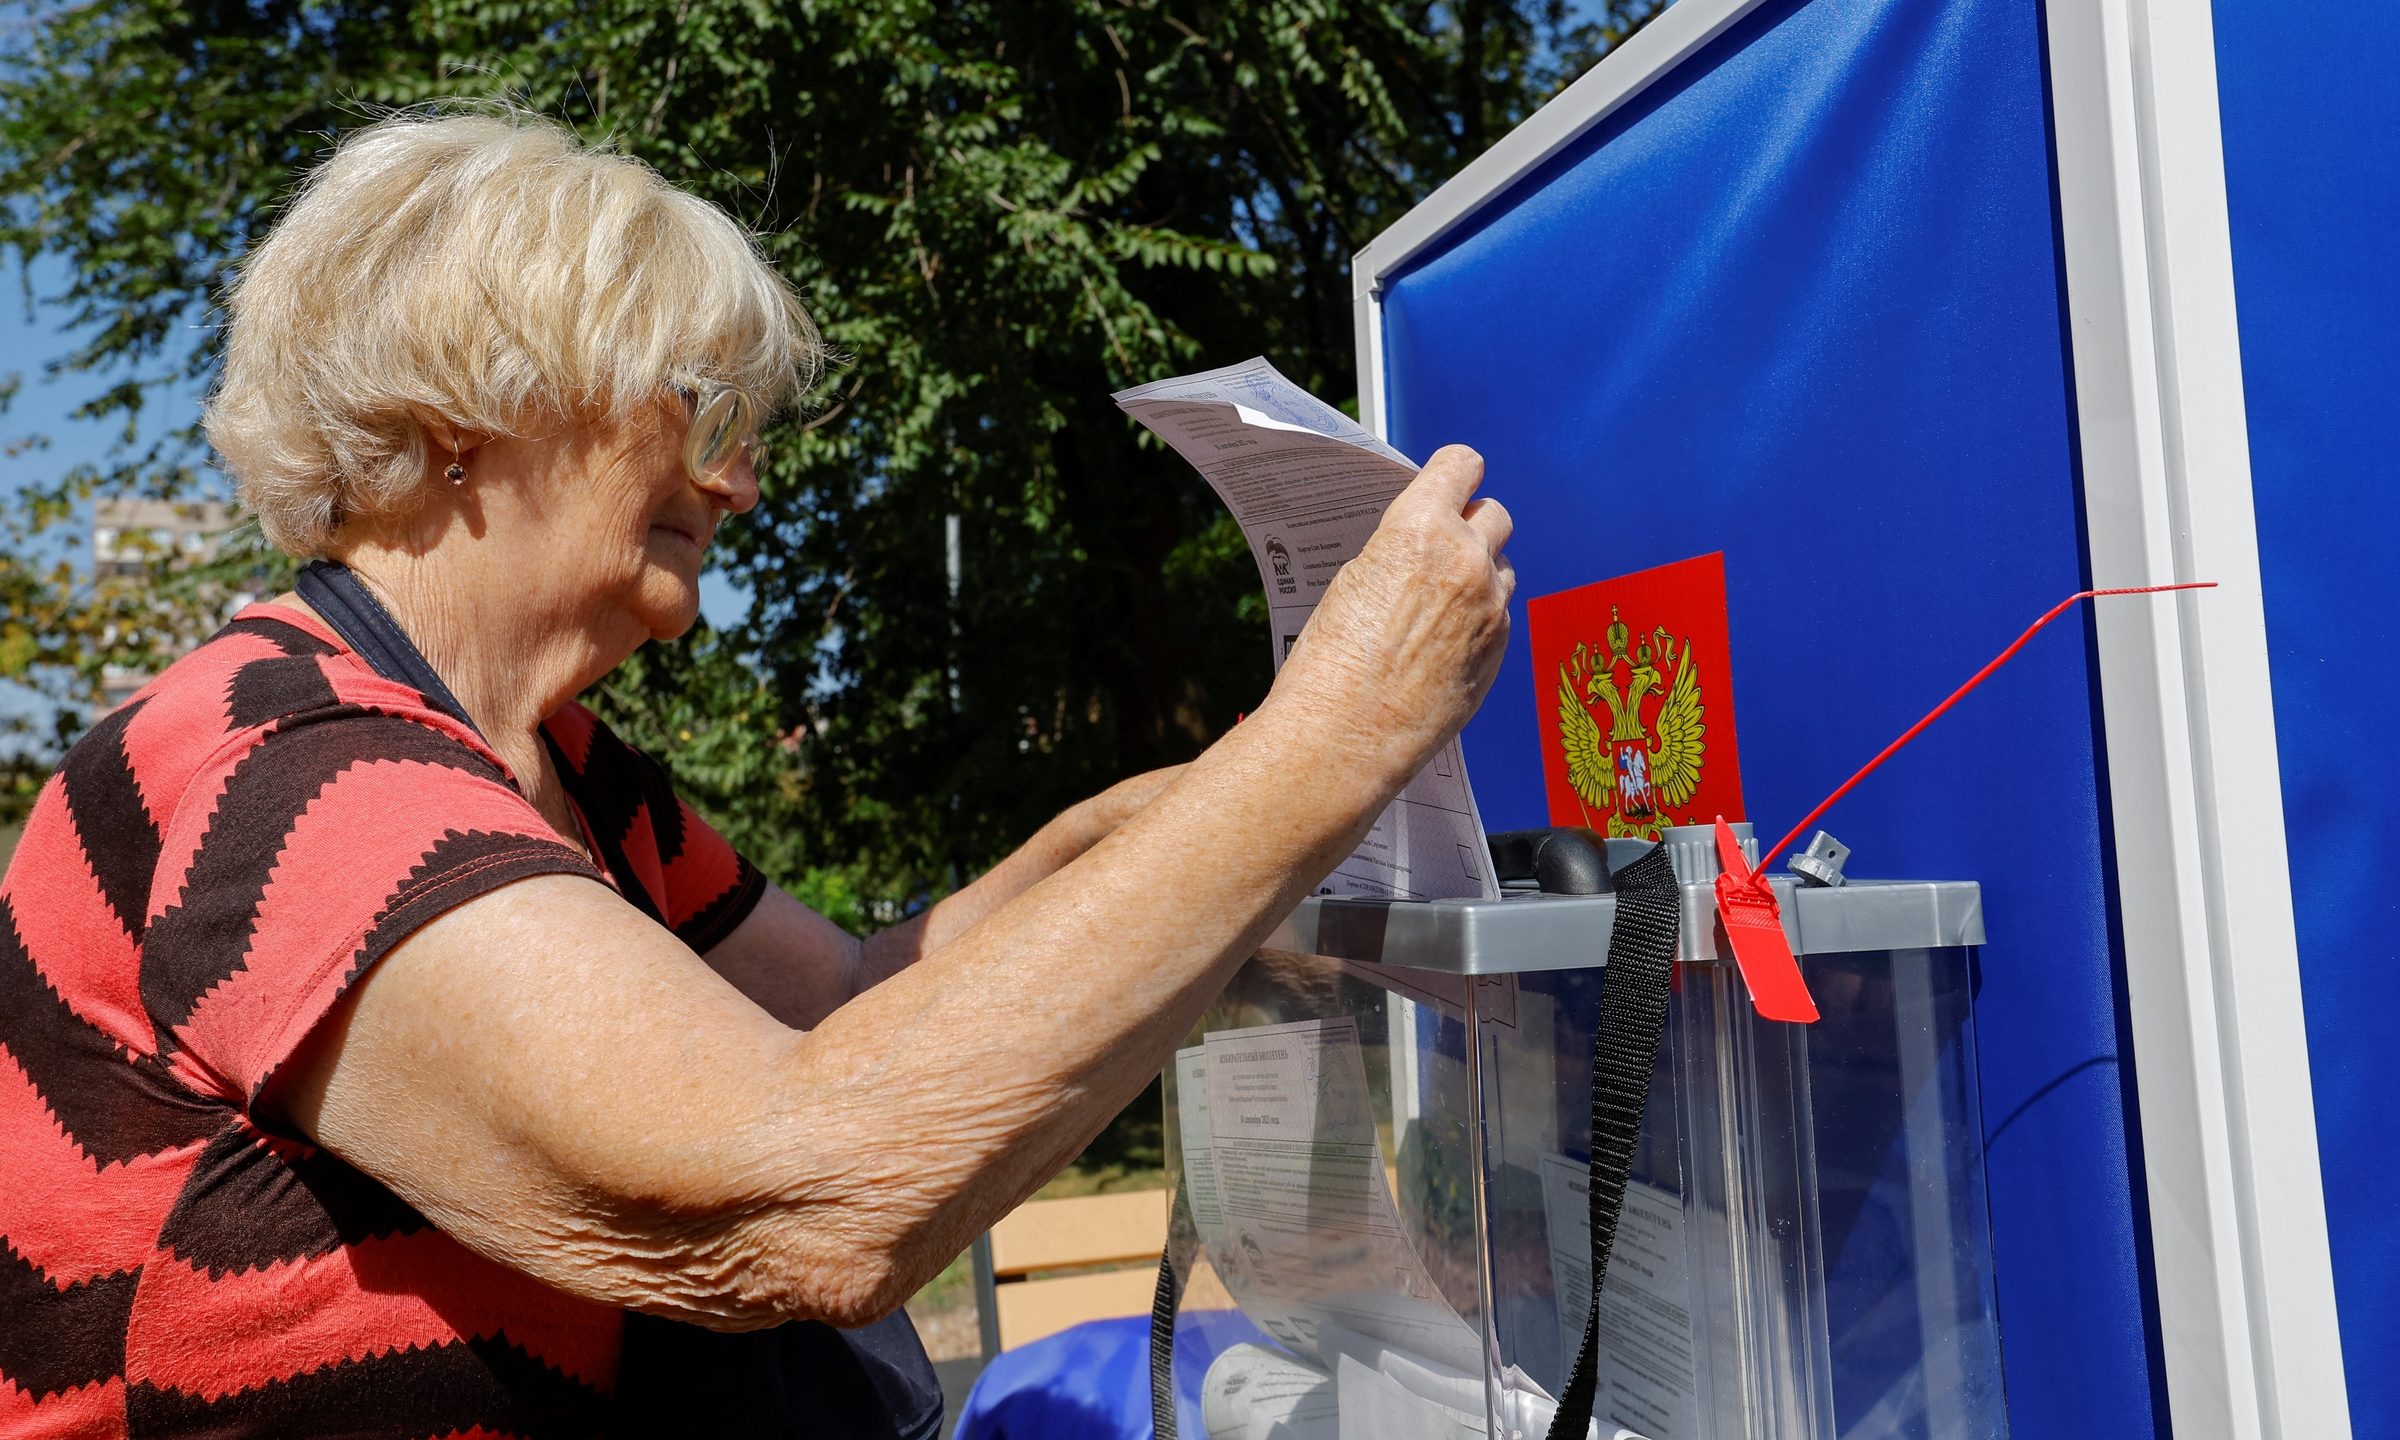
211,867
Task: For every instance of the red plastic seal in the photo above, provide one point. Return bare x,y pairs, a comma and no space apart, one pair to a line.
1754,924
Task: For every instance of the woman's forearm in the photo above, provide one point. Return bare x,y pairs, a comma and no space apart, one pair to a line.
1055,845
800,967
578,1098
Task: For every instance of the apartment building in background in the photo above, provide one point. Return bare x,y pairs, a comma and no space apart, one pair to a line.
131,536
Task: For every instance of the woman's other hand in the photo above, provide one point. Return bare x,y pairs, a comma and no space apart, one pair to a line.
1054,847
802,967
1410,633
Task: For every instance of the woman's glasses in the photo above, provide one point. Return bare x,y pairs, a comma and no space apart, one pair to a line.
724,428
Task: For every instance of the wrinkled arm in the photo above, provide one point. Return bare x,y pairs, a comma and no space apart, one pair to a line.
800,967
561,1086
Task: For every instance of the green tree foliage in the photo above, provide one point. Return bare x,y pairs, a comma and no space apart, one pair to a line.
999,211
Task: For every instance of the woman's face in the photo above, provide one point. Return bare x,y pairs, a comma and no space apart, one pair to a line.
631,525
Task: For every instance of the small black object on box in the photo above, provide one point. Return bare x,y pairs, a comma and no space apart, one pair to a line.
1562,861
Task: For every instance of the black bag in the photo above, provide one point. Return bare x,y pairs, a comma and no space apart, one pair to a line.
805,1381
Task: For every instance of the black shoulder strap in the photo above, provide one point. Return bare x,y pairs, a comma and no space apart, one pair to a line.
1633,1017
360,619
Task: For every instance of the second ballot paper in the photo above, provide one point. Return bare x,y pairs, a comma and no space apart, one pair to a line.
1308,484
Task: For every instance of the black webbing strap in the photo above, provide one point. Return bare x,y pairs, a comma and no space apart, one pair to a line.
1162,1325
345,603
1633,1016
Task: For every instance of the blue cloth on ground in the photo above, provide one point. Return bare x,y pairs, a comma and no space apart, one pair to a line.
1088,1382
1092,1382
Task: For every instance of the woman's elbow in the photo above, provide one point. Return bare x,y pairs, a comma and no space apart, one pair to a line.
768,1270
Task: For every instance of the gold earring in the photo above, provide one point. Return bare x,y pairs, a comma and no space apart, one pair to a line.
457,473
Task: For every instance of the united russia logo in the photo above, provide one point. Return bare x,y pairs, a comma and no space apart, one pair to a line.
1635,693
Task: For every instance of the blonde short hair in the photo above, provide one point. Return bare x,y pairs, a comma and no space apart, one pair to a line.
489,271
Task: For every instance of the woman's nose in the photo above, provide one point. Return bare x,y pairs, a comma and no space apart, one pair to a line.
735,489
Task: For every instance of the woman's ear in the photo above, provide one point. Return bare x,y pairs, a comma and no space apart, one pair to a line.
446,442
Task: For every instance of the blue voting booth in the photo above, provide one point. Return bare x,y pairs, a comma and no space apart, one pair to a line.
1927,313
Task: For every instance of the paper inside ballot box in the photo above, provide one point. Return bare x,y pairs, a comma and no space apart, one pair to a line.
1256,1392
1293,1204
1362,1388
1365,1391
1644,1346
1291,1197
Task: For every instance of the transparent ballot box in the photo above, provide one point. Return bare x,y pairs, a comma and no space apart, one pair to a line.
1380,1136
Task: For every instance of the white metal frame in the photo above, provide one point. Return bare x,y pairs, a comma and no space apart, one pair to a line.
2244,1272
2229,1134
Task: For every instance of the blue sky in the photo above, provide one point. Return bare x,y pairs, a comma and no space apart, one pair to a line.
28,345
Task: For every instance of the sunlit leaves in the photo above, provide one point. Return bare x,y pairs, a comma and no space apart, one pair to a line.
998,210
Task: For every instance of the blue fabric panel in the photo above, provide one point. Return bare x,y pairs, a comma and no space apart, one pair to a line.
1091,1382
2311,109
1799,303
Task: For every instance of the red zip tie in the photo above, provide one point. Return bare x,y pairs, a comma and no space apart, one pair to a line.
1759,875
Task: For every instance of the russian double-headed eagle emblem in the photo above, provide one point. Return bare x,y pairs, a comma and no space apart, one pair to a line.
1627,770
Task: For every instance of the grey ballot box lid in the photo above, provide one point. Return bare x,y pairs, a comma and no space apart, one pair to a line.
1570,932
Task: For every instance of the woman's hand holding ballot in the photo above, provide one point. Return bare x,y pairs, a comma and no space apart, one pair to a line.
1411,632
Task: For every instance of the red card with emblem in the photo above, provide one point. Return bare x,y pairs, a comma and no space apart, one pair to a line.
1635,692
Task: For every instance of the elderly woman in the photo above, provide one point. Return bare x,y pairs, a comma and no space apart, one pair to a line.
390,1052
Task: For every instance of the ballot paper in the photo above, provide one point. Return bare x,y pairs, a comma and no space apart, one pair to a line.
1527,1412
1306,1231
1199,1147
1377,1407
1423,1378
1254,1392
1645,1380
1307,485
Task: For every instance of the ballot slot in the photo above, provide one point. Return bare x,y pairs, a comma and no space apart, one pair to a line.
1384,1230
